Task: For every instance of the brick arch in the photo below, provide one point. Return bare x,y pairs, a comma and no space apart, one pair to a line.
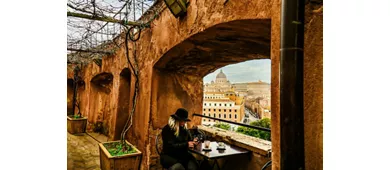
178,74
220,45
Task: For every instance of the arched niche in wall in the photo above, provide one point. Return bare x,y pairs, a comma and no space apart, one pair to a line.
99,103
124,100
103,82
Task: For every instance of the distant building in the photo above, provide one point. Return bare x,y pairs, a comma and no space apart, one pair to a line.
221,84
253,89
224,100
223,105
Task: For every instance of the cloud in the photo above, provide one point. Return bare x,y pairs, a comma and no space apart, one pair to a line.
248,71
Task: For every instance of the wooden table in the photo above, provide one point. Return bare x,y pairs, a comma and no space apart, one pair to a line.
215,154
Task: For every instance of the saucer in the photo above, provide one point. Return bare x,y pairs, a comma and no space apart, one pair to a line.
221,148
206,149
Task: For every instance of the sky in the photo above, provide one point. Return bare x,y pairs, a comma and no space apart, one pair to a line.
248,71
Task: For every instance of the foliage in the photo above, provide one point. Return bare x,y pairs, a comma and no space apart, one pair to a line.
266,123
222,126
118,149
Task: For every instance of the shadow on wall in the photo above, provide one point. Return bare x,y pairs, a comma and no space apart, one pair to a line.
100,111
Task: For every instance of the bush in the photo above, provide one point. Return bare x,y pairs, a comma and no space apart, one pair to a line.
222,126
266,123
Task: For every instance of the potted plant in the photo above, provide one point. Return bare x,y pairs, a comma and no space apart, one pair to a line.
76,123
120,154
116,155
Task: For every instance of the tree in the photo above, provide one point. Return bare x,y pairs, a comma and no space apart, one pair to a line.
265,123
222,126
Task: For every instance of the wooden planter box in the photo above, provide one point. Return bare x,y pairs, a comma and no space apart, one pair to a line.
76,125
123,162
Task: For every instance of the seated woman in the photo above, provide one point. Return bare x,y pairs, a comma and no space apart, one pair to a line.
176,141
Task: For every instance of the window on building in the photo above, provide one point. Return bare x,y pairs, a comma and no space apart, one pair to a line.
209,104
219,110
204,119
230,110
225,104
214,114
214,110
230,116
209,114
209,120
204,109
224,110
235,110
224,115
230,104
235,116
209,109
205,104
215,104
219,115
220,104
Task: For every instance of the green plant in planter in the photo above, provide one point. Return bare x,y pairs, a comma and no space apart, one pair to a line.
118,148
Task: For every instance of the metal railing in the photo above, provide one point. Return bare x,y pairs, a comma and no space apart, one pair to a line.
236,123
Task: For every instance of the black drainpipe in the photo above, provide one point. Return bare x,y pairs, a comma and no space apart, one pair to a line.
291,86
75,80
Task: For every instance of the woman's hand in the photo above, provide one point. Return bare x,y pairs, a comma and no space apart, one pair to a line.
196,141
191,144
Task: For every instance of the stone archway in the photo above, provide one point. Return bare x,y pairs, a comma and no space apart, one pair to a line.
178,75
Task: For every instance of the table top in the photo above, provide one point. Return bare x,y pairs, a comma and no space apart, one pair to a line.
214,153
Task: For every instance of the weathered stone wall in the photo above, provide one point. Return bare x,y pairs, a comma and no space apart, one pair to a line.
312,88
175,54
313,66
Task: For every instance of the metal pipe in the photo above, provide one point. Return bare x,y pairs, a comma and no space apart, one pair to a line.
90,51
291,85
236,123
102,18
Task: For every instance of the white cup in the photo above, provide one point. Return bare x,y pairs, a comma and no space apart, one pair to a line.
207,143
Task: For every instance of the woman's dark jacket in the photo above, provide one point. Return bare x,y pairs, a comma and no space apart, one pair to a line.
175,147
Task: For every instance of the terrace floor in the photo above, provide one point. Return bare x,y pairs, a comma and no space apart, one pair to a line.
83,151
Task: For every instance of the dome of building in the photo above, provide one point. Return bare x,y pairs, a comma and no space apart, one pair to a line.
221,75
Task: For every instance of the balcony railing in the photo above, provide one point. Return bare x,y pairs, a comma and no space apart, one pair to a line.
236,123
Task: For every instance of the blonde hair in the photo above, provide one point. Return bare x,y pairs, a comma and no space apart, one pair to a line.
174,125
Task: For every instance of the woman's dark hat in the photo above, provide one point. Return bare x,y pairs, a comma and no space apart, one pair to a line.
181,114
